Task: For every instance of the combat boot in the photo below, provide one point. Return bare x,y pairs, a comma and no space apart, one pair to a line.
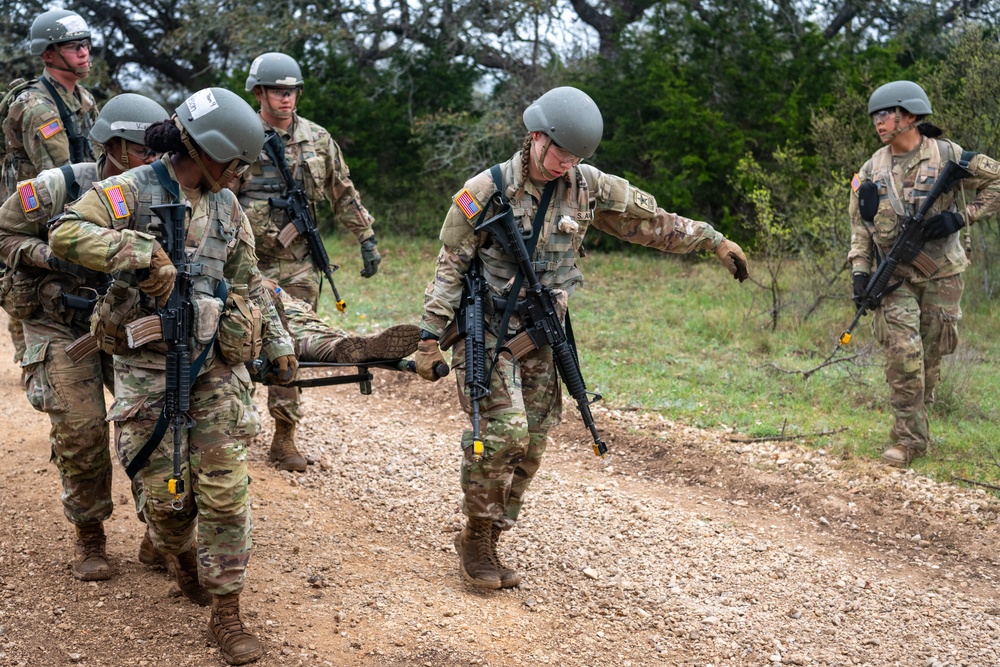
149,554
185,567
238,646
395,342
283,452
508,578
900,456
91,559
475,554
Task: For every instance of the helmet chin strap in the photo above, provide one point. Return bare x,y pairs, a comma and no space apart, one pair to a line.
279,114
124,167
79,72
898,129
214,185
540,160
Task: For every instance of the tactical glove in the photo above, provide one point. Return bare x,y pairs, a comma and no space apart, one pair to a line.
941,225
370,257
285,368
427,357
859,282
732,257
162,274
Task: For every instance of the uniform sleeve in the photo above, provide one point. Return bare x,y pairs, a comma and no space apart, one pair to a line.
45,139
632,215
19,234
985,180
860,255
90,235
444,294
347,206
241,268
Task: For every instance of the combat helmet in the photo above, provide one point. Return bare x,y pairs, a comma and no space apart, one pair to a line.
126,116
274,69
54,27
570,117
904,94
222,124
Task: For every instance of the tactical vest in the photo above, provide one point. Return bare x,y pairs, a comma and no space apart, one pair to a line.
554,260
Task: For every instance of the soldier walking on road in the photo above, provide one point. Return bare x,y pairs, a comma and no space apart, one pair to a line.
917,323
54,300
525,398
316,161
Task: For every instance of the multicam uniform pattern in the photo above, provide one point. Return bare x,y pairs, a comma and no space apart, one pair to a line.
917,324
526,399
71,393
316,161
107,230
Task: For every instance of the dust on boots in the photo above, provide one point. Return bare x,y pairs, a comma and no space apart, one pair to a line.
284,455
238,646
91,562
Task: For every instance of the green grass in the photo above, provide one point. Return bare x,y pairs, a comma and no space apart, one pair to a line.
681,338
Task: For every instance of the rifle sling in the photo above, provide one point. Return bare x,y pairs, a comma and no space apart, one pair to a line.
221,292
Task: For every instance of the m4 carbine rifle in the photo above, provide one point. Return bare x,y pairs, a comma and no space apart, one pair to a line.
908,244
296,205
541,319
473,326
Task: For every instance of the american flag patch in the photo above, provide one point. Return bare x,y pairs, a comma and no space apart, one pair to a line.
50,129
29,198
855,183
465,201
117,200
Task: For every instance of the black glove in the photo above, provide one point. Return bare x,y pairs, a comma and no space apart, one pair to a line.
370,257
860,282
941,225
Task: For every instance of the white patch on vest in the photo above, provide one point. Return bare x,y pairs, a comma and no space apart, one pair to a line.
201,103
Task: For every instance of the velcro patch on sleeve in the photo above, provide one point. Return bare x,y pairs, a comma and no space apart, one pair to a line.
50,129
117,200
465,201
29,196
644,200
855,182
989,165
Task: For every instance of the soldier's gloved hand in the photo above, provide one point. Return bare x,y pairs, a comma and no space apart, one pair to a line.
941,225
162,274
859,281
732,257
427,357
285,367
370,257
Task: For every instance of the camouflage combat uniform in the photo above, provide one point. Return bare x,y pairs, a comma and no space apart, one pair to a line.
525,402
107,230
34,134
316,161
71,393
917,324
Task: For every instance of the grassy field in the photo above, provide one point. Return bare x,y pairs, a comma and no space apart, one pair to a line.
682,338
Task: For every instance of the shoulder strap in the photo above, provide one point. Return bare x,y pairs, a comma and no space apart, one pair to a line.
72,187
169,184
64,114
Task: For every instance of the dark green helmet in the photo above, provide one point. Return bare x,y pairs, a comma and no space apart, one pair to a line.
570,117
274,69
904,94
127,116
222,124
54,27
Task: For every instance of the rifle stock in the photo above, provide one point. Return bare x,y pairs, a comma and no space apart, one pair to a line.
906,248
295,204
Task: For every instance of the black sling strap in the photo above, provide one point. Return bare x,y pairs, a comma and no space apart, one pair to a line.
78,150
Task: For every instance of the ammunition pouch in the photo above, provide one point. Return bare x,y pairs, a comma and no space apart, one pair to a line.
241,330
112,312
19,291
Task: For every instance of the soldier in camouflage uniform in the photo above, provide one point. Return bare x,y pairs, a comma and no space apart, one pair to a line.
38,133
316,160
54,300
213,136
917,323
525,401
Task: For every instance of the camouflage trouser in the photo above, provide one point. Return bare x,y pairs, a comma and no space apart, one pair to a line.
299,279
917,325
214,467
16,330
72,394
524,404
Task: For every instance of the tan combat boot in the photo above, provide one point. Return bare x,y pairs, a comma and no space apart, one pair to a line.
900,456
238,646
283,452
395,342
91,559
185,568
475,554
508,578
149,554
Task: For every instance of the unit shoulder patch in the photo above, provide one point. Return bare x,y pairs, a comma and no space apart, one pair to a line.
117,200
988,165
644,200
468,204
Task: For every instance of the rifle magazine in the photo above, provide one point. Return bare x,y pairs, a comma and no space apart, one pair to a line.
144,330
